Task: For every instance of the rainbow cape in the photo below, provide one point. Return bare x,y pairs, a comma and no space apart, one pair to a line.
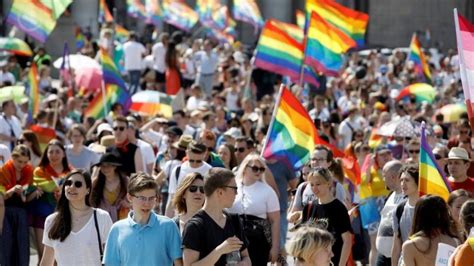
351,22
33,92
292,135
247,11
32,17
432,180
422,68
104,12
280,50
179,15
325,46
80,40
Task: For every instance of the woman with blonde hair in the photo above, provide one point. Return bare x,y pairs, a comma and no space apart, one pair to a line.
188,199
311,245
257,203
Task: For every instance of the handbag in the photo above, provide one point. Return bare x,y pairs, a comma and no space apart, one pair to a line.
98,235
257,227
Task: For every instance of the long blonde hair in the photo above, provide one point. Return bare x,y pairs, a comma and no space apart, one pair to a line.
239,176
306,241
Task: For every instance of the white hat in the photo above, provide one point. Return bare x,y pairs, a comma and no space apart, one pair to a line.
233,132
457,153
104,127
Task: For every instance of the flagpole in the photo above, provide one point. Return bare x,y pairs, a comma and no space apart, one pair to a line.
305,40
104,101
467,94
275,108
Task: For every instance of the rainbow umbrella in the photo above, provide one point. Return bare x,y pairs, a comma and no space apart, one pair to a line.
150,103
15,46
422,92
452,112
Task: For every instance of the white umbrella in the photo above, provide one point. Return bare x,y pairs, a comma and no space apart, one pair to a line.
78,61
401,127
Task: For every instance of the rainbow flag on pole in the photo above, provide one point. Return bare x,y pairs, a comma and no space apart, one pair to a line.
113,94
136,9
33,92
205,8
292,135
154,11
110,74
325,46
422,68
432,180
179,15
32,17
247,11
278,51
80,40
57,6
351,22
104,12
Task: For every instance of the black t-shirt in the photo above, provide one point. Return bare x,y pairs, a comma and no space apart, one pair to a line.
201,233
337,218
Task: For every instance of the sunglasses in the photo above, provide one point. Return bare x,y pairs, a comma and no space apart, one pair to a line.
194,189
414,151
118,128
241,149
77,184
233,187
438,157
194,161
256,169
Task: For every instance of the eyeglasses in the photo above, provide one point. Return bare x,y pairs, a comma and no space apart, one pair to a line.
194,161
233,187
77,184
145,199
118,128
256,169
414,151
241,149
194,189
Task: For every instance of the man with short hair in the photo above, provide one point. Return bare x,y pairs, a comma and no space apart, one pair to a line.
10,126
195,164
182,121
133,53
208,61
143,238
458,164
384,241
208,138
159,65
243,147
146,150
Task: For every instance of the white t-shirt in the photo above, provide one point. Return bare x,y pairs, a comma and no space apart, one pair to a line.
185,169
384,241
132,53
257,199
148,155
82,247
159,52
6,125
346,130
5,154
207,62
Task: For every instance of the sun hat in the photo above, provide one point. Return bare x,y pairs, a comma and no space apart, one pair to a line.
109,158
457,153
183,142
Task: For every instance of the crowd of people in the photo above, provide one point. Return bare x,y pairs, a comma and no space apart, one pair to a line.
193,189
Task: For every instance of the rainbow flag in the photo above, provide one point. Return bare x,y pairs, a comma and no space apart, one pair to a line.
300,19
57,6
43,134
110,73
136,9
422,68
179,15
32,17
121,33
351,22
432,179
205,8
220,36
113,94
292,135
247,11
33,92
104,12
375,139
221,19
421,91
278,51
325,46
80,40
154,12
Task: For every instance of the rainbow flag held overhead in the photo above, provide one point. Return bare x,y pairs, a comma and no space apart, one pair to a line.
110,73
278,51
179,15
32,17
104,12
44,135
57,6
33,92
325,46
422,68
113,94
154,11
205,8
351,22
221,19
248,11
300,19
220,36
432,179
292,135
136,9
421,91
80,39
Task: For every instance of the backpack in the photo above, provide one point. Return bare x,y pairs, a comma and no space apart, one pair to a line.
398,214
178,169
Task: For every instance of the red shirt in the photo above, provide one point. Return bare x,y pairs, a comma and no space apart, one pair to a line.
468,184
